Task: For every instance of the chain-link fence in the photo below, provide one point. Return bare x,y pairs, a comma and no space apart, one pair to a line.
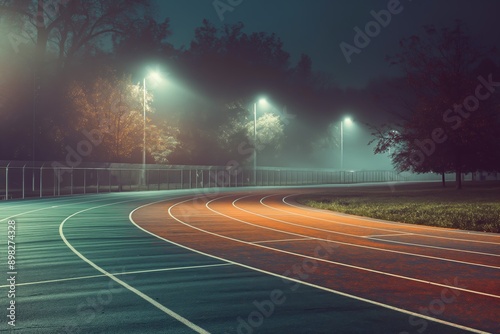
37,179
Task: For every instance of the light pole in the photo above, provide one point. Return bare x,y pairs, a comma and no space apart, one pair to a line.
35,96
144,135
154,75
348,121
255,143
261,101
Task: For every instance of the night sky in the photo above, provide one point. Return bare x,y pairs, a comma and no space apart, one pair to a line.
318,27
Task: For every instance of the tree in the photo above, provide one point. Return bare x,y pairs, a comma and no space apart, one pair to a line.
65,28
270,134
448,128
226,66
49,42
236,135
113,107
145,39
224,56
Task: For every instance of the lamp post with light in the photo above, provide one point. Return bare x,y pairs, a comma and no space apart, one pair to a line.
154,75
262,101
347,121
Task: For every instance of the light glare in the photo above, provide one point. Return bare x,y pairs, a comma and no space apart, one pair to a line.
263,102
155,76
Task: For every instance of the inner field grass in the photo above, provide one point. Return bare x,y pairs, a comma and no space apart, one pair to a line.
476,207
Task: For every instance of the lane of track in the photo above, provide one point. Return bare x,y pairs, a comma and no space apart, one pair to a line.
84,268
328,225
57,292
243,230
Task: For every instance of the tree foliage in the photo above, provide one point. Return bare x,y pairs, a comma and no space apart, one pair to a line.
114,108
230,55
448,128
64,29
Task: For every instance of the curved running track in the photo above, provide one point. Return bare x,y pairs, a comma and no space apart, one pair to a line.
432,275
241,261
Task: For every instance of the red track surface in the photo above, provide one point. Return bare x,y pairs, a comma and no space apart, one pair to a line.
444,274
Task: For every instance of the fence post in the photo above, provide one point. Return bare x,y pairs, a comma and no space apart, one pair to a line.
84,181
7,182
54,182
58,177
41,181
33,178
120,180
23,179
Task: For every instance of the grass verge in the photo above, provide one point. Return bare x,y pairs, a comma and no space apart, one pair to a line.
475,208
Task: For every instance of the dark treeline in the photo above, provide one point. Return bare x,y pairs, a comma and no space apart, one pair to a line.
76,68
226,69
452,123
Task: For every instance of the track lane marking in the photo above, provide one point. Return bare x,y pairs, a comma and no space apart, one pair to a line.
420,316
312,257
153,302
281,240
333,213
436,247
357,236
386,222
374,220
53,207
386,306
119,274
386,235
364,237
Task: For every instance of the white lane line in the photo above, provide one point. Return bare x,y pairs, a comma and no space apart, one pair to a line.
53,207
386,222
150,300
435,247
386,235
25,213
360,237
71,200
318,259
393,241
392,223
281,240
120,274
386,306
381,221
357,236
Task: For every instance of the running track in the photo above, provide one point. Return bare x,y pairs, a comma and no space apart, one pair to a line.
250,261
